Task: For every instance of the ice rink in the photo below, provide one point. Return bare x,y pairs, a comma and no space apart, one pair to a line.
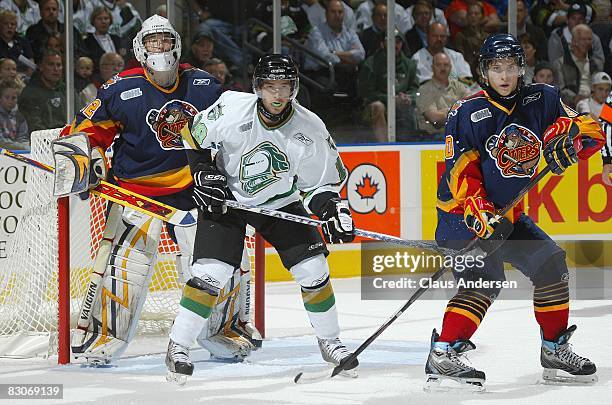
391,371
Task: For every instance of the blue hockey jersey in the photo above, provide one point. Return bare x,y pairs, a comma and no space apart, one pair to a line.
143,122
493,152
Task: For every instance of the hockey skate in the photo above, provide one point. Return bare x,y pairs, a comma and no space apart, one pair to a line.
227,348
335,353
248,331
444,363
179,365
562,365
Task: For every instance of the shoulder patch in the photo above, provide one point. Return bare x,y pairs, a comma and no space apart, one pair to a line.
480,115
129,94
453,110
111,81
303,138
215,113
532,97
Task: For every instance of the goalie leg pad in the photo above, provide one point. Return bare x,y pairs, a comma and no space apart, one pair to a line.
184,236
123,289
312,275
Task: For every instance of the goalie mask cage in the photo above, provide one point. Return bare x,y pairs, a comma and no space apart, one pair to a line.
38,299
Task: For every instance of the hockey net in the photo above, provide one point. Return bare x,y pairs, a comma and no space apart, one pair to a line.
29,276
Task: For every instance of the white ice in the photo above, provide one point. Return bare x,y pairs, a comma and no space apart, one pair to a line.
391,370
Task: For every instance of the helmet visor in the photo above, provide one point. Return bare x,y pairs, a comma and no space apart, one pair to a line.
276,89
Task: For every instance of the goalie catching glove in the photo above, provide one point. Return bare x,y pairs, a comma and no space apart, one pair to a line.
480,218
338,226
209,189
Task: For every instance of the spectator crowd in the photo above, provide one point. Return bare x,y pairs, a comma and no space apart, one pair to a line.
567,44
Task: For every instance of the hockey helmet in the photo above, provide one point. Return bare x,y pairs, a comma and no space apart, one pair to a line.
500,46
160,60
276,67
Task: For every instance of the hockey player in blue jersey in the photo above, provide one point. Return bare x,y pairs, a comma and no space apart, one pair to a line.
494,141
141,113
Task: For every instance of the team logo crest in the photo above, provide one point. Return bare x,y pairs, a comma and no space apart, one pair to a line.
168,121
260,166
516,151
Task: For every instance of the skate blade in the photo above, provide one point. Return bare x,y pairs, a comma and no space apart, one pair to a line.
438,383
230,360
560,377
179,379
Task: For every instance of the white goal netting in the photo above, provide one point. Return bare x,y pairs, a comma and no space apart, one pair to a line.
29,276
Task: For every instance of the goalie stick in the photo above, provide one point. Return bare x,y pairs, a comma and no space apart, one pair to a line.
122,196
317,376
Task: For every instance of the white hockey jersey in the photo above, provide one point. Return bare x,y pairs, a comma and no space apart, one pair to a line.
268,166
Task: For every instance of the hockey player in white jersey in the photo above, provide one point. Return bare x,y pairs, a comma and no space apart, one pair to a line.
269,150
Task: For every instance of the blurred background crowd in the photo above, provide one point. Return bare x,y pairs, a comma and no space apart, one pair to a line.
340,47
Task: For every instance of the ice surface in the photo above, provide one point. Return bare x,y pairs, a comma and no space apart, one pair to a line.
391,371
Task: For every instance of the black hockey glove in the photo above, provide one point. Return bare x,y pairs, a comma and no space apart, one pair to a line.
209,189
338,226
560,153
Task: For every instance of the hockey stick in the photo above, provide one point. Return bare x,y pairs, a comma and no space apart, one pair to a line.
471,245
359,232
122,196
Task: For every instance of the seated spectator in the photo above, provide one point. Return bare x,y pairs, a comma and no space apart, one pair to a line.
43,101
111,63
437,96
337,44
81,13
373,89
162,11
83,73
27,13
601,84
294,21
13,126
126,20
436,42
217,17
549,14
371,38
101,42
315,11
218,69
8,70
437,15
14,46
49,26
523,26
365,10
576,66
416,37
456,14
469,40
201,49
543,73
561,37
529,48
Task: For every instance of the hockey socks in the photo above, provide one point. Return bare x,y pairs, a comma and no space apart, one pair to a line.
463,315
196,305
320,304
551,306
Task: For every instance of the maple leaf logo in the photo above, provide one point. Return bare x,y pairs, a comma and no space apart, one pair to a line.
367,188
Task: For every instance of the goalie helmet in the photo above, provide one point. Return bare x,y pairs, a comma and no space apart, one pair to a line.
157,46
276,67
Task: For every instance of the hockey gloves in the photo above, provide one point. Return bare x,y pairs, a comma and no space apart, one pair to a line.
480,218
209,189
559,150
338,226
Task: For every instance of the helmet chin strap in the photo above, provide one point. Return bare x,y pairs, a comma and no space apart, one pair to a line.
507,101
274,118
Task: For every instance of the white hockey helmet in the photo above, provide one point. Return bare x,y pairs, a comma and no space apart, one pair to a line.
160,64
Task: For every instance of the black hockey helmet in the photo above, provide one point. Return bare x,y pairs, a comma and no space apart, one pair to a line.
276,67
500,46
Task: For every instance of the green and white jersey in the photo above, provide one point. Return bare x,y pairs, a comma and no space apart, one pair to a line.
268,166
